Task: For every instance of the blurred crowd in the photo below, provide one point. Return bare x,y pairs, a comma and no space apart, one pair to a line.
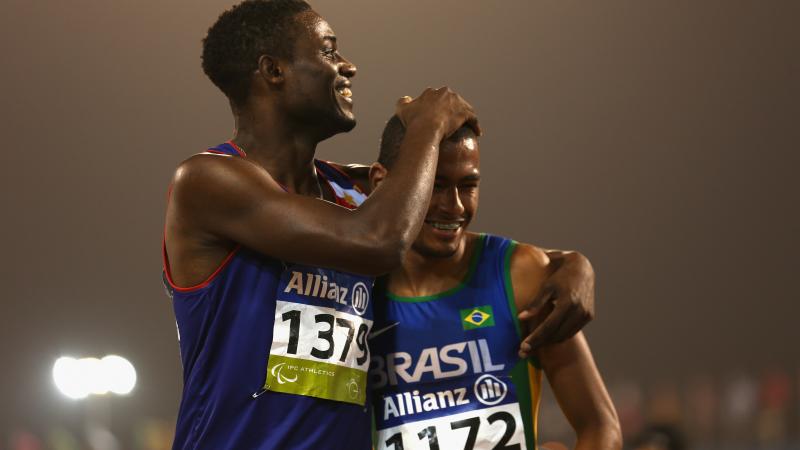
732,411
148,434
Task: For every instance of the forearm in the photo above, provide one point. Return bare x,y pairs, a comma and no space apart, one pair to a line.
581,393
396,208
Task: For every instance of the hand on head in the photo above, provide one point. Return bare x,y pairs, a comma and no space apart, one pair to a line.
442,108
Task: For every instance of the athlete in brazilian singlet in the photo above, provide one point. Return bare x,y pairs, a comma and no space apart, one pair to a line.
444,371
444,374
270,348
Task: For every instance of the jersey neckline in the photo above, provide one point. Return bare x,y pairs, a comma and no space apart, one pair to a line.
473,265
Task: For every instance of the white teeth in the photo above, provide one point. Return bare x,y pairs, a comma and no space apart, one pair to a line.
345,92
445,226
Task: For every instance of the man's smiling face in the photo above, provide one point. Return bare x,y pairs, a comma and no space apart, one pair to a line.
455,198
318,79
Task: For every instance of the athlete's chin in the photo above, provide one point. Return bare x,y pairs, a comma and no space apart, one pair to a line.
345,121
336,126
346,117
349,123
436,249
429,252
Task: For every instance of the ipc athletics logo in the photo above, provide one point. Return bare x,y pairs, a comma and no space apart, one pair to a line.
489,390
276,372
352,388
360,298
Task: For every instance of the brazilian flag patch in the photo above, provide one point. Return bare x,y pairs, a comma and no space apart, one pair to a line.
477,317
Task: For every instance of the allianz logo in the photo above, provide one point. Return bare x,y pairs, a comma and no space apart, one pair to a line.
316,285
449,361
488,389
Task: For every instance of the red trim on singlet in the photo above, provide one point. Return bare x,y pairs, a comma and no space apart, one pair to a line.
165,257
236,147
216,152
206,282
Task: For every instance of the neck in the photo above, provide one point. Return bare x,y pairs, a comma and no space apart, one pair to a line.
280,146
420,275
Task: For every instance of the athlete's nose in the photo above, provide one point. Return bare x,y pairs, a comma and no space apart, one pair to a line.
346,68
452,202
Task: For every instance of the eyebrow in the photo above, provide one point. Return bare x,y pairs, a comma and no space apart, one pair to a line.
472,177
329,37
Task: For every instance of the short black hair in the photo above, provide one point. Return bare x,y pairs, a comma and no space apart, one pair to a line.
241,35
395,131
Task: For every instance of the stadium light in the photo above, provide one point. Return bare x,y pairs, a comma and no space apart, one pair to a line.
79,378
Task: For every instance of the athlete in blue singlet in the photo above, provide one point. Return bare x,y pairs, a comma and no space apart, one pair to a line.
236,383
271,286
444,374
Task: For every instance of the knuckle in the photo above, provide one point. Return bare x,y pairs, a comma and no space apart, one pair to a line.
547,327
573,297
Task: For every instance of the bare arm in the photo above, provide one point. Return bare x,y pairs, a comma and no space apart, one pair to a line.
580,392
569,366
564,304
219,199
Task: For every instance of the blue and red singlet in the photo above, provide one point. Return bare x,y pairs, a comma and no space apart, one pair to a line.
274,354
445,372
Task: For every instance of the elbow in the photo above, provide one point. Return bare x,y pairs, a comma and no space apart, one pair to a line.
605,436
614,436
385,260
580,260
386,254
386,244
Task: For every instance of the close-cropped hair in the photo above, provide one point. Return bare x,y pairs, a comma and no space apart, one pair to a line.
241,35
395,131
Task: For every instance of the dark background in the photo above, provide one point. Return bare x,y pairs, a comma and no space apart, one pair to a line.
659,138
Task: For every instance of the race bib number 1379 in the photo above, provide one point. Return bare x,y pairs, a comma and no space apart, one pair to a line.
319,343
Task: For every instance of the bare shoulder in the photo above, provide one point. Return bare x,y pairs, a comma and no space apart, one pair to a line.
529,268
206,180
208,167
529,257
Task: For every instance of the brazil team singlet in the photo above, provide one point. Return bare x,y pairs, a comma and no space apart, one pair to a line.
445,372
274,354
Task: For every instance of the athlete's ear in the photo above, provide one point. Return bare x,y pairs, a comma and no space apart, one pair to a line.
269,68
377,173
